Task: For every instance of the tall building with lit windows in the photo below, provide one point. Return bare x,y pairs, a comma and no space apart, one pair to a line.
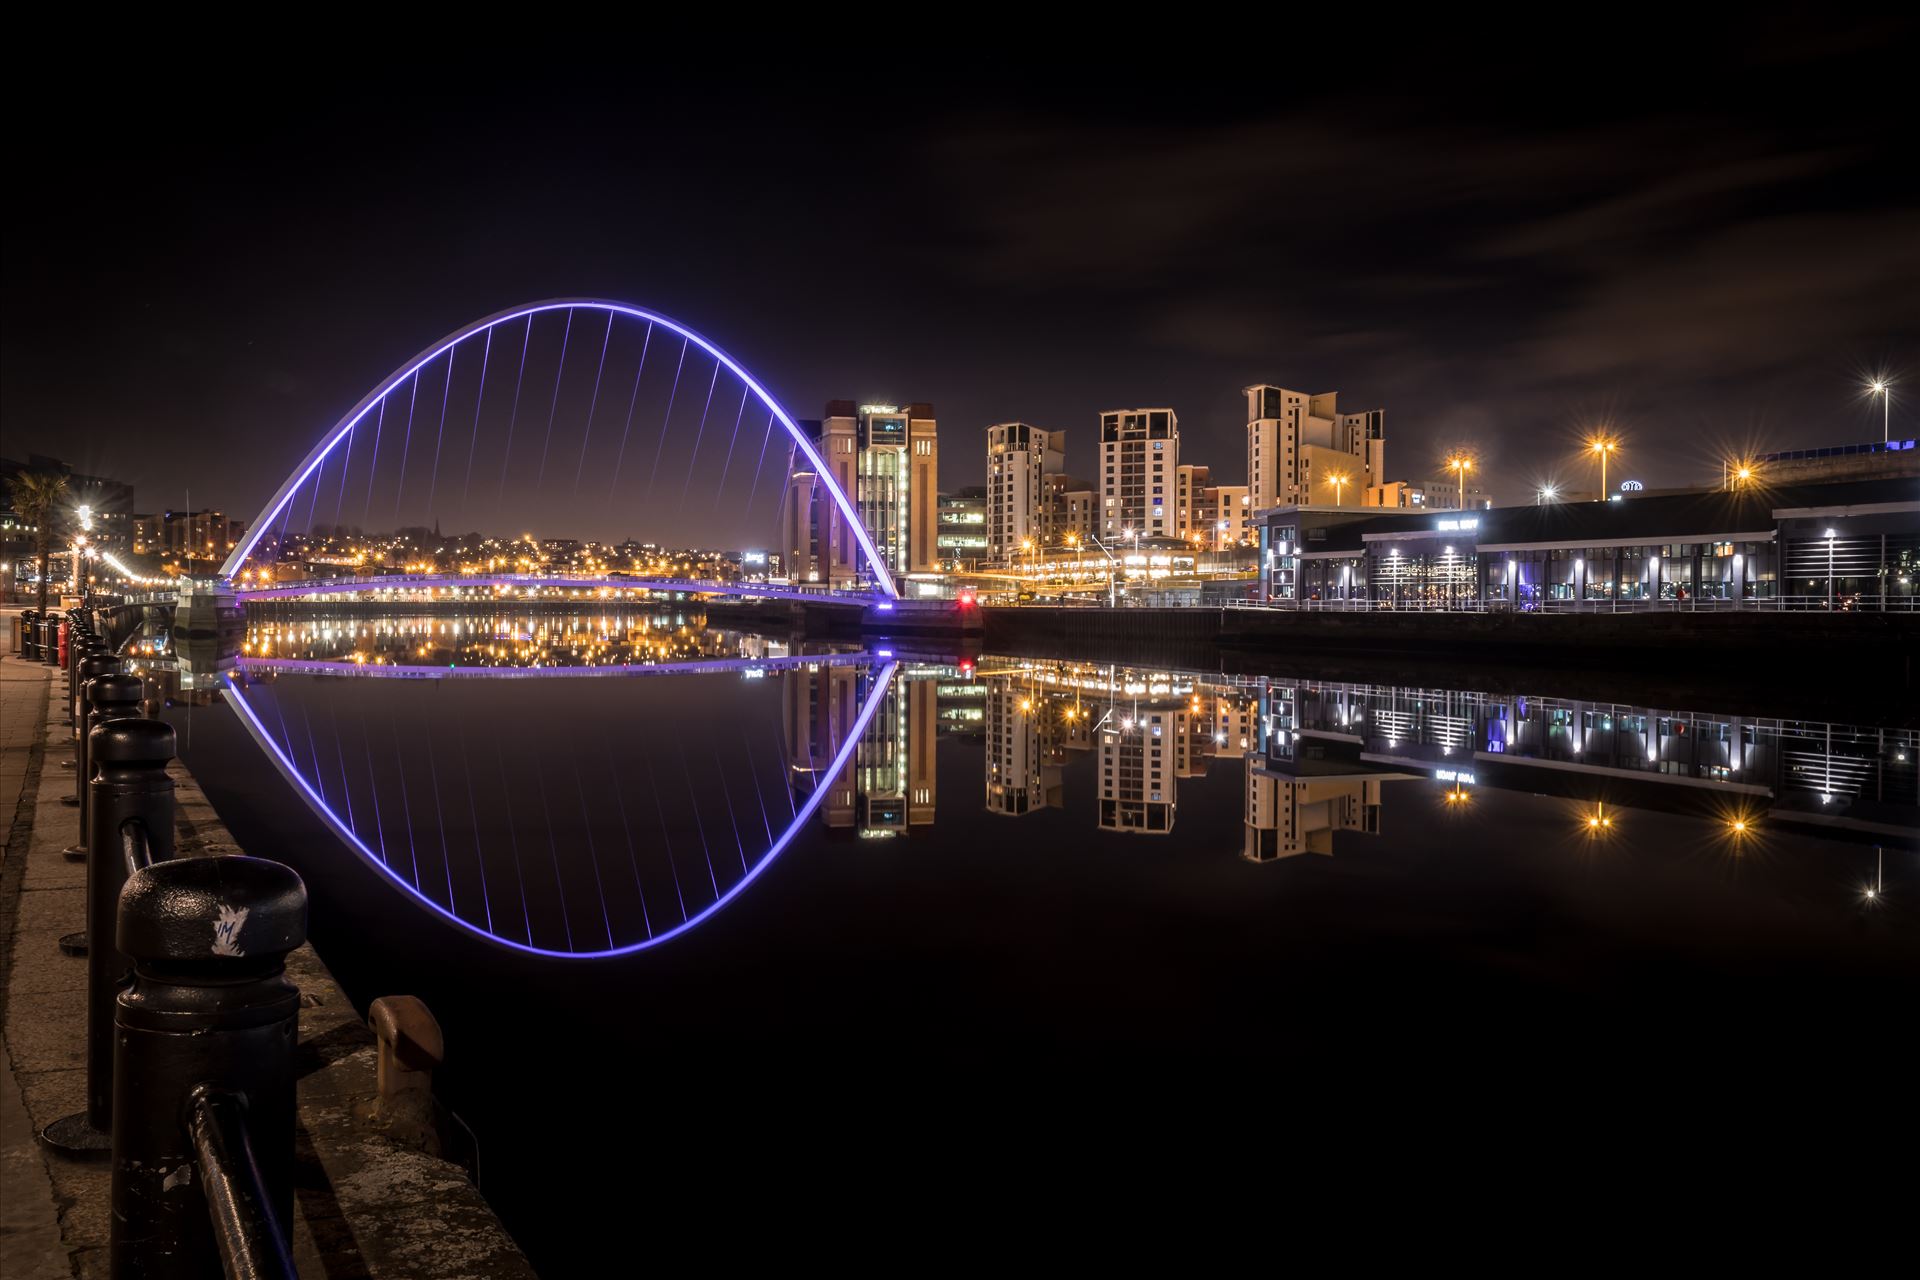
1019,458
1302,451
1190,482
1139,462
887,460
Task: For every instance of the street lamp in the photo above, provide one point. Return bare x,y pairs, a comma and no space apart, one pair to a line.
1339,481
1882,388
1461,465
1548,493
1605,447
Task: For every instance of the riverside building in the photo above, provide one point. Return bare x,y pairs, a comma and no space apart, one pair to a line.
1851,545
887,460
1302,451
1019,458
1139,461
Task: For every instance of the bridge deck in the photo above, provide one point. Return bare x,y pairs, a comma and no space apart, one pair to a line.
503,582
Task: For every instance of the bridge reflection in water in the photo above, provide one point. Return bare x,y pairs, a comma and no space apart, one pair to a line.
583,817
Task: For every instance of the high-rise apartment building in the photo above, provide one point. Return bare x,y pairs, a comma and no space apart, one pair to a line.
1189,490
1302,451
887,460
1226,514
1139,461
1019,458
1070,504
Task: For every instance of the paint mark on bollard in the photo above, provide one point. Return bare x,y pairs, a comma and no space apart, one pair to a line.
226,932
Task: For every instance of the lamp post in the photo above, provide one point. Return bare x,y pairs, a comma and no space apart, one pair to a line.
1604,446
1339,482
1460,466
1880,387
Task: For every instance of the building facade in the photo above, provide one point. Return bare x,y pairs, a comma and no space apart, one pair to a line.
1302,451
1189,488
1842,546
1019,458
1228,516
1139,462
887,460
961,542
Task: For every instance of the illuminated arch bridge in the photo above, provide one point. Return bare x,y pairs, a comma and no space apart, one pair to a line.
606,412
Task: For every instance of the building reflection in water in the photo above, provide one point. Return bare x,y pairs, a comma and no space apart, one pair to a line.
1318,755
888,786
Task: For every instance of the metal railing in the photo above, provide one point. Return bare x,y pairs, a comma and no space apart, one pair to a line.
1854,603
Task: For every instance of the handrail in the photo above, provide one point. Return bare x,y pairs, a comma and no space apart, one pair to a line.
1475,604
136,845
248,1237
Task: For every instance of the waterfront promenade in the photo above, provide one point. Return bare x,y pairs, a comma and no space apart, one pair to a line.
364,1205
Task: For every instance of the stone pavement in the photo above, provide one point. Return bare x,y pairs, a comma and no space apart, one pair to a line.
30,1244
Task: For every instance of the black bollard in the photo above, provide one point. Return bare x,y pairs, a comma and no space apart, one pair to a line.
91,668
130,821
113,695
49,640
83,648
29,649
78,650
203,1072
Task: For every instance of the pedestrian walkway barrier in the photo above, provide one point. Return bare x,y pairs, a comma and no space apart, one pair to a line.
203,1076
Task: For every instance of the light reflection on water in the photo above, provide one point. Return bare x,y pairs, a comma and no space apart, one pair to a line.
452,756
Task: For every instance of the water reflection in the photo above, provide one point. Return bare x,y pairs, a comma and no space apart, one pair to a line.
631,818
506,639
464,759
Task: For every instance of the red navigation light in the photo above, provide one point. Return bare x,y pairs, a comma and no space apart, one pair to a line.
966,666
966,599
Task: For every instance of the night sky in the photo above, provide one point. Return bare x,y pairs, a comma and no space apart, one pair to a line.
1708,237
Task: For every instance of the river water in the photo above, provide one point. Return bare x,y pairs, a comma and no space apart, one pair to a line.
691,902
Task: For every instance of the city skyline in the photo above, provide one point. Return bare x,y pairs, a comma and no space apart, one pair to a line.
1701,270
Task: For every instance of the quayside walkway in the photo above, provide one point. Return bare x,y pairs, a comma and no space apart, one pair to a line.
364,1205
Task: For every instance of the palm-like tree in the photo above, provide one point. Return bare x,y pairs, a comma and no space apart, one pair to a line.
37,497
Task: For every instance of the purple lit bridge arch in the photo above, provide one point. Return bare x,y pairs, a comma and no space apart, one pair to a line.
336,448
299,749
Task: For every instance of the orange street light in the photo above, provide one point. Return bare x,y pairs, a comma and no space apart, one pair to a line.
1605,447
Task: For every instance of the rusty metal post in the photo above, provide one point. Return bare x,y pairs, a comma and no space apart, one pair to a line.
203,1082
411,1046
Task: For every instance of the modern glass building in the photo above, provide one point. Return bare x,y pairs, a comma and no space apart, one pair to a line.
1852,545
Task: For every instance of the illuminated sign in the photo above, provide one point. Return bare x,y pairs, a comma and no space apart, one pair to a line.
1631,486
753,557
1471,522
1453,775
879,408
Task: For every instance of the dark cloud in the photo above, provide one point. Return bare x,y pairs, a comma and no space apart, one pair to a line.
1701,238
